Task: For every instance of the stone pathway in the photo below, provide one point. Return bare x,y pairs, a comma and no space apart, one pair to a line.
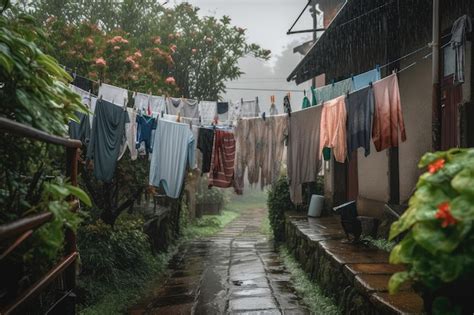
235,272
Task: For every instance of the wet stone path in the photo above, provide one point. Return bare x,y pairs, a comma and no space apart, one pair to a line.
235,272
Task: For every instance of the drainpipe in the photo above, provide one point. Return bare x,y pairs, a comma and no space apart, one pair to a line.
436,96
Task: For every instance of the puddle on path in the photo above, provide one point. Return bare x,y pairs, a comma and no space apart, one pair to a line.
235,272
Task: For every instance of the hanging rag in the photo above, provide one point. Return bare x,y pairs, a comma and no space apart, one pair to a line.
360,112
333,128
107,136
222,160
275,132
145,126
130,135
223,111
314,101
151,104
113,94
80,130
173,106
461,27
273,110
242,133
205,144
388,116
249,109
306,103
286,105
363,80
82,83
190,109
173,151
332,91
303,153
208,111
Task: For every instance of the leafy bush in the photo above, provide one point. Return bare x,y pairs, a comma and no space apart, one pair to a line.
438,242
278,202
212,196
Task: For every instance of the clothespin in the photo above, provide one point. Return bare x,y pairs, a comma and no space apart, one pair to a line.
200,120
333,82
241,101
256,99
304,92
371,84
162,113
347,94
124,103
179,117
289,95
263,116
191,124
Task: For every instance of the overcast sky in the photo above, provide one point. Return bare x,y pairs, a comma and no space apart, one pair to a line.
267,22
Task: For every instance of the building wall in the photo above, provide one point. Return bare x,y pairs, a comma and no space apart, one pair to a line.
416,98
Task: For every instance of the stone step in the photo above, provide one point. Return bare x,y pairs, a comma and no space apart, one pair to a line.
356,276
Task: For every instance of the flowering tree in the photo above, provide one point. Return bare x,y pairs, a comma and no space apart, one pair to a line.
197,55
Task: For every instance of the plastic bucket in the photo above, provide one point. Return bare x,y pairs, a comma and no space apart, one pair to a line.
316,206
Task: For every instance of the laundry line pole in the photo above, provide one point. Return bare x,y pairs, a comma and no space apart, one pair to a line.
436,95
315,33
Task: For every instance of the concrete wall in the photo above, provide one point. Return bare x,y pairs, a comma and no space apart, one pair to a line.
415,92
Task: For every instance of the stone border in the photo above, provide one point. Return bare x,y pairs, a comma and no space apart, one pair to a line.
356,276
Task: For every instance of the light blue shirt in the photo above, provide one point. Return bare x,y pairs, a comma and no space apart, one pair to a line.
173,149
363,80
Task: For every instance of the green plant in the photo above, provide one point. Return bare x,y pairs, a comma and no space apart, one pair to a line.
437,228
211,196
34,87
278,202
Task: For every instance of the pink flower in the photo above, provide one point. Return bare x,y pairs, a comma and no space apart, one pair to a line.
125,41
130,60
173,48
170,80
89,41
157,40
100,62
193,51
138,54
136,66
116,48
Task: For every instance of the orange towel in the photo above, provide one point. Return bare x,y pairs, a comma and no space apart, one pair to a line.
333,128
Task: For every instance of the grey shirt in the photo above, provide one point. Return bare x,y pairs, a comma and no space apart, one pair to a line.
108,134
190,108
360,112
303,150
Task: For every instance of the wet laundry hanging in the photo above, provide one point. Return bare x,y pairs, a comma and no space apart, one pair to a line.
360,112
130,135
113,94
152,105
331,91
190,108
365,79
333,128
145,126
303,152
461,27
205,144
222,160
80,130
388,116
107,136
173,151
173,106
207,111
249,108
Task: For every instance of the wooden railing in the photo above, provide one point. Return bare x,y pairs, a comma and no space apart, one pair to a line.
15,233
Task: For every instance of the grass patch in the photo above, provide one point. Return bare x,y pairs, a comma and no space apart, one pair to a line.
209,225
312,294
251,199
380,243
116,296
265,228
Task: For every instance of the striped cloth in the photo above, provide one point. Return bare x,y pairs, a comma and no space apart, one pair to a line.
222,160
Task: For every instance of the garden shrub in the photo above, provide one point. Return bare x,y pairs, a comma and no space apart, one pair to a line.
278,202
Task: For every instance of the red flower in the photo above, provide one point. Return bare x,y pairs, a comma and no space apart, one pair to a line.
170,80
436,166
100,62
444,213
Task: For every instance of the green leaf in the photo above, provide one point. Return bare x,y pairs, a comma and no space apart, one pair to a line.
463,182
81,194
462,208
402,253
397,280
434,238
